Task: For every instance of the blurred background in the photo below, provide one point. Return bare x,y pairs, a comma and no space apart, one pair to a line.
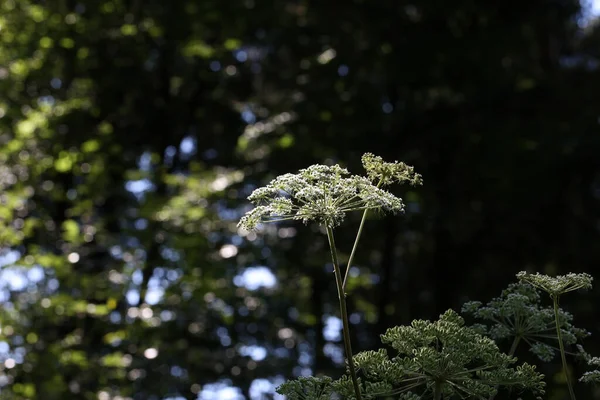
132,131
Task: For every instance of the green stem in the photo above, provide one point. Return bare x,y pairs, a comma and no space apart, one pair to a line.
562,347
354,247
343,312
511,353
437,394
513,348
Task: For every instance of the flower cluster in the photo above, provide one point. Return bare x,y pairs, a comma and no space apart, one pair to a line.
444,354
555,286
464,362
319,193
590,376
387,173
518,315
307,388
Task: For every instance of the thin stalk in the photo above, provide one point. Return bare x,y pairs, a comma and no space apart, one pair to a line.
511,353
513,348
343,312
437,391
355,245
562,348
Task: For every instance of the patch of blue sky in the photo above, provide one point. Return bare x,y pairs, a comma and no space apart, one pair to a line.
139,187
241,55
248,116
595,8
220,391
14,277
334,352
257,353
56,83
590,12
260,388
9,257
145,161
332,329
188,146
254,278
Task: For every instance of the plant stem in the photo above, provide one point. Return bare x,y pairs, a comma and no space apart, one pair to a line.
354,247
343,311
511,353
513,348
437,394
562,348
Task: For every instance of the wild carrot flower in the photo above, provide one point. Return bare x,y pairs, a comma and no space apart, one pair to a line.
324,194
557,285
431,360
590,376
319,193
389,172
519,315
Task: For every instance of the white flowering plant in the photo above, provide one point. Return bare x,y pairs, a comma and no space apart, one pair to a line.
324,194
518,315
432,360
555,287
440,360
319,193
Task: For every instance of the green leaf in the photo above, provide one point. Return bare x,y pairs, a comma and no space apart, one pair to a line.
286,141
67,43
64,163
90,146
27,390
129,30
197,48
114,360
70,230
232,44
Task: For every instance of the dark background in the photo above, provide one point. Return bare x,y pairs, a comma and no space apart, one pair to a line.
131,132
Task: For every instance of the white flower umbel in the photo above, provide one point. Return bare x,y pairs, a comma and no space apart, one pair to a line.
386,173
590,376
319,193
518,315
324,194
430,360
383,174
555,287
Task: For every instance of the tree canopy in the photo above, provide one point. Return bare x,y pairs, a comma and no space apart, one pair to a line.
131,133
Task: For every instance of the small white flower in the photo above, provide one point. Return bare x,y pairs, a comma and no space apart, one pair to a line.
387,173
319,193
555,286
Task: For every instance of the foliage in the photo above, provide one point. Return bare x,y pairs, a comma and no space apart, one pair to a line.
321,193
131,133
443,357
305,388
557,285
386,173
592,376
519,315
